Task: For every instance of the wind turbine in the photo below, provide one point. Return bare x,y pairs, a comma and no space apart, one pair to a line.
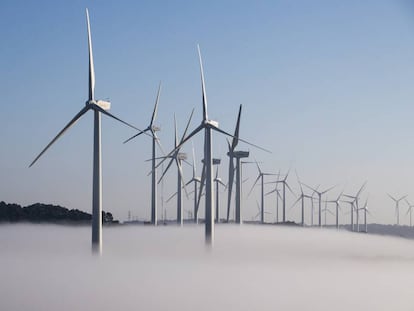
98,107
178,157
409,210
366,211
276,190
196,180
261,177
259,211
302,199
337,207
319,193
284,185
218,182
208,126
238,155
153,129
326,211
354,203
397,206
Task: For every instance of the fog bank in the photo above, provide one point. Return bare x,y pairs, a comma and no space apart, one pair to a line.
47,267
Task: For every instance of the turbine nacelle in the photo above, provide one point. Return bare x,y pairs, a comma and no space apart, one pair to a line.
211,123
156,128
105,105
241,154
182,156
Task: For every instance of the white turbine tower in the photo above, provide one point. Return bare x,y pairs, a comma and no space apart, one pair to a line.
153,129
98,107
208,126
218,182
397,206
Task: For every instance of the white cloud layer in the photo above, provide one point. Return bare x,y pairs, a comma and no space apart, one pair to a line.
168,268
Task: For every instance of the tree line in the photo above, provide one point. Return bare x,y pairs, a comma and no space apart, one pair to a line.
38,212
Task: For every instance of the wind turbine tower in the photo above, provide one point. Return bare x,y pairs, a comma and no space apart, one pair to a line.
153,129
98,107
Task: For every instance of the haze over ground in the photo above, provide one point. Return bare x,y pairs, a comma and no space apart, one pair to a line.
168,268
326,85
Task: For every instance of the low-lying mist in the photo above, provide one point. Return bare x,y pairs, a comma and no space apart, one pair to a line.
47,267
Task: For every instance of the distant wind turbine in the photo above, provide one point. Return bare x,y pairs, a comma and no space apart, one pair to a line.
98,107
354,203
153,129
302,199
178,157
319,193
196,180
397,206
261,177
337,207
409,210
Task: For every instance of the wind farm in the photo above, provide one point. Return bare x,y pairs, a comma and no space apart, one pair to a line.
240,146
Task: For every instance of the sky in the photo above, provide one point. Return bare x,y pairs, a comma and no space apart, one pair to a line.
325,85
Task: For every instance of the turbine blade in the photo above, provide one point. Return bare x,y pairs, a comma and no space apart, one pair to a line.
291,191
96,107
254,184
91,66
169,199
175,133
154,113
328,189
165,171
202,181
203,86
236,131
360,190
257,164
194,162
180,171
394,199
309,187
157,140
242,140
296,202
199,128
69,125
188,124
136,135
300,184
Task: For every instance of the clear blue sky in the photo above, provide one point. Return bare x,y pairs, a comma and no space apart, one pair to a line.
326,85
